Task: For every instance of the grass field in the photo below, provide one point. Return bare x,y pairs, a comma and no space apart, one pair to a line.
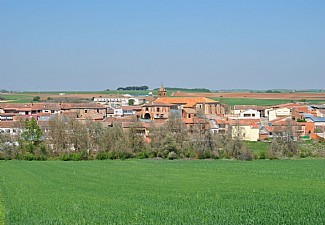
163,192
17,98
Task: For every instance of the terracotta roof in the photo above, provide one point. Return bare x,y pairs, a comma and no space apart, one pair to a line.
244,122
135,108
8,114
269,128
82,106
281,120
118,119
245,107
8,124
153,104
189,110
188,102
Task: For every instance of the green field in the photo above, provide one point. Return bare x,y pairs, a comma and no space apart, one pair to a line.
163,192
260,102
17,98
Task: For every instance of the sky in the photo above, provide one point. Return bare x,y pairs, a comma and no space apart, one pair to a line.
72,45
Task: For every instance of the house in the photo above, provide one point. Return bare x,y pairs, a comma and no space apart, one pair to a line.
241,108
118,101
131,110
85,111
273,114
246,132
157,111
320,112
250,114
10,127
200,104
265,132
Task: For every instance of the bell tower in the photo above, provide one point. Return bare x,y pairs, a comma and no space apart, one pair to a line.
162,92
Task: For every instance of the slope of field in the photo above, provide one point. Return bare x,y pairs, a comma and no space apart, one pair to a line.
164,192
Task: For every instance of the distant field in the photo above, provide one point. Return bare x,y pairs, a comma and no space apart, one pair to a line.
17,98
163,192
25,97
263,99
260,102
251,101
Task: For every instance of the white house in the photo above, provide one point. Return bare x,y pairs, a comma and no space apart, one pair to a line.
246,132
272,114
250,114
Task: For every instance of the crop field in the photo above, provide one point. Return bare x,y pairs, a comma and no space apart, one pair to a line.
252,101
260,102
163,192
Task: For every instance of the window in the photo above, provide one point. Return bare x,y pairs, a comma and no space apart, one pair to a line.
147,109
86,111
158,109
97,110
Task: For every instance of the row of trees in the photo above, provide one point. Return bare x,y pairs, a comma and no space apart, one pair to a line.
70,139
134,88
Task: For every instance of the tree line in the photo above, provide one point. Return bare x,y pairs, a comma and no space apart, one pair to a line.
133,88
70,139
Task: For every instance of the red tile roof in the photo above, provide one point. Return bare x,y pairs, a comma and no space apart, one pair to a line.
188,102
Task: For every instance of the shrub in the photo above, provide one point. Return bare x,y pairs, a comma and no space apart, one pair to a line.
262,154
102,155
142,155
28,156
172,155
245,154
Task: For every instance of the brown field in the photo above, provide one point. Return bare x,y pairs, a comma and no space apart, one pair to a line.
287,96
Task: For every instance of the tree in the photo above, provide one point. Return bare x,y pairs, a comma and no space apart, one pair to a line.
131,101
32,134
37,99
284,141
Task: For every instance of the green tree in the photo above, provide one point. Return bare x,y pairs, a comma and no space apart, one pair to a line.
32,134
37,99
131,101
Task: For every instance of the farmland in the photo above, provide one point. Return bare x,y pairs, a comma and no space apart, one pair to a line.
163,192
231,98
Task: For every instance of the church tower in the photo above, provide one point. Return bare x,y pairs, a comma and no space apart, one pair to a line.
162,92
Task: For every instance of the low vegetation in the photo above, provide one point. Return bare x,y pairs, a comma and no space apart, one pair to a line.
163,192
71,140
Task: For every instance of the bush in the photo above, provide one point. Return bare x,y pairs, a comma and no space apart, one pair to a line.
172,155
28,156
142,155
102,156
245,154
262,155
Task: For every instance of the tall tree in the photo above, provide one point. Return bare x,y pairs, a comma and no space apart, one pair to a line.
32,134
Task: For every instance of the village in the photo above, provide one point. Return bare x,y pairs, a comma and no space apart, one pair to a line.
248,122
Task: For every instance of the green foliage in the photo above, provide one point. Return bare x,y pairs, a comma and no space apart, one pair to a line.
36,99
163,192
31,136
172,155
76,156
131,102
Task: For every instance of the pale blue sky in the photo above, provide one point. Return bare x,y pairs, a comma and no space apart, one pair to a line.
94,45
